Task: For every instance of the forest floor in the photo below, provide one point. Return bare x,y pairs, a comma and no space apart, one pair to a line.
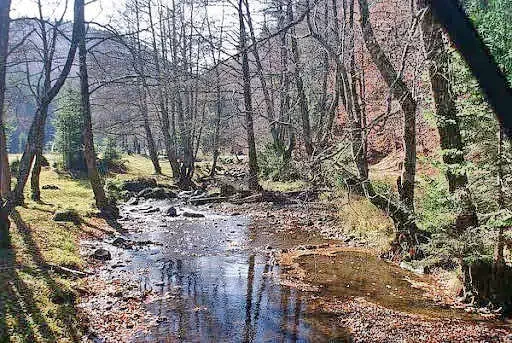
279,265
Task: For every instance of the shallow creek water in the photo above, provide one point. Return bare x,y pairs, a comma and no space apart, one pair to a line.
217,282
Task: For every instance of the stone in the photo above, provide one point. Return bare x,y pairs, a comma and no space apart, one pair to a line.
157,193
151,210
143,193
227,190
102,254
185,194
193,215
121,242
133,201
138,185
51,187
171,212
66,216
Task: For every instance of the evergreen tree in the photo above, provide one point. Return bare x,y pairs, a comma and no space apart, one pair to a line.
68,125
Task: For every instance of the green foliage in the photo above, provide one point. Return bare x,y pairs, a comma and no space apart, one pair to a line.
436,208
111,159
111,153
493,23
274,166
471,245
68,137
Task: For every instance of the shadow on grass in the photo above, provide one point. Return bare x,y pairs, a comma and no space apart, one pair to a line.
20,313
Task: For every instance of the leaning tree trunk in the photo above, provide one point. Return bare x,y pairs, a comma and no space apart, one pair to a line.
90,156
401,92
251,142
448,126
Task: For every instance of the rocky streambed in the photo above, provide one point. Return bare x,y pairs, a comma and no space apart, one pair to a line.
178,272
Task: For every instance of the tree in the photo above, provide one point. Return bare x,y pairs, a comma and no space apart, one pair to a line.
5,174
69,127
246,76
35,132
103,204
448,125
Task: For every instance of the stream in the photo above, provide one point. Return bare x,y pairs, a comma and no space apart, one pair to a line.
216,279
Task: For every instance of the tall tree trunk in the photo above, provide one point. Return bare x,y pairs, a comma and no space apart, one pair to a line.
36,171
246,75
303,102
448,125
284,90
162,108
259,70
143,105
400,92
5,173
87,137
153,155
218,116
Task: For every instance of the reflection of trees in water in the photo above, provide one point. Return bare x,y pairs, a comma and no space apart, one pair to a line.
208,300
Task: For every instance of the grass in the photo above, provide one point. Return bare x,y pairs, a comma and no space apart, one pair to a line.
36,304
359,217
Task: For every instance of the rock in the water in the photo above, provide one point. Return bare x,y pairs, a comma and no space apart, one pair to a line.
121,242
156,193
151,210
171,212
66,216
52,187
193,215
198,192
185,194
143,193
102,254
133,201
138,185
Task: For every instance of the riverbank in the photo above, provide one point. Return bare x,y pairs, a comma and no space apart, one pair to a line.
266,267
195,273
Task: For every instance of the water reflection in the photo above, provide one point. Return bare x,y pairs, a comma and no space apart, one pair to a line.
228,299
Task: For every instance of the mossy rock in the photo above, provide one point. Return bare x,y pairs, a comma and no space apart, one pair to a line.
138,185
66,216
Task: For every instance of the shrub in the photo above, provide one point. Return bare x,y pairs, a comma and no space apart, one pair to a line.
275,167
436,208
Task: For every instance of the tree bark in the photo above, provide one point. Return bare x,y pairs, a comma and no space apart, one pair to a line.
251,142
162,108
5,173
102,202
143,106
448,123
303,103
400,92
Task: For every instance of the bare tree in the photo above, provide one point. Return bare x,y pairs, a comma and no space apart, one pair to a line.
102,202
5,174
246,75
